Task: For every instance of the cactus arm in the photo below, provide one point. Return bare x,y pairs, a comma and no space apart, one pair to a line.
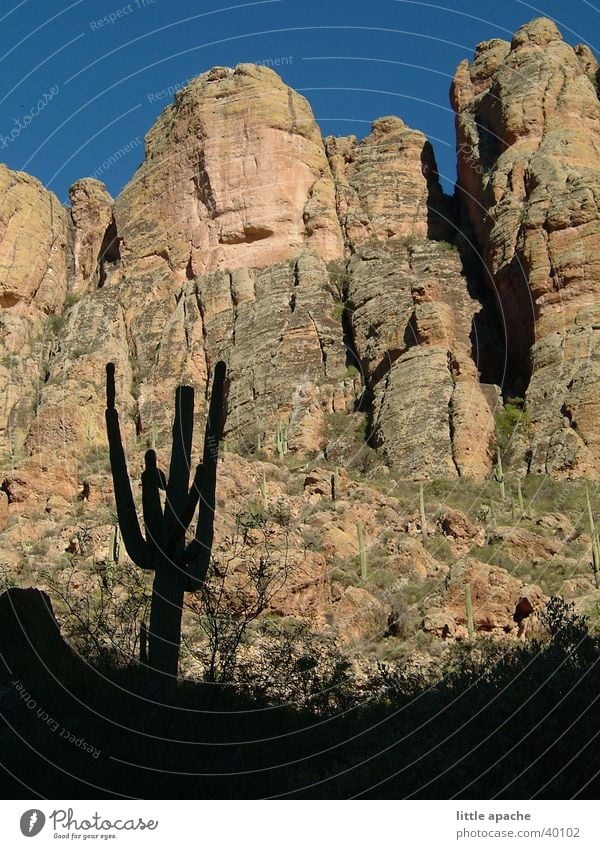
134,542
198,552
181,454
188,511
193,497
151,506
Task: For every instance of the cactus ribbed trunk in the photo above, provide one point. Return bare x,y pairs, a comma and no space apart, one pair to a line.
164,636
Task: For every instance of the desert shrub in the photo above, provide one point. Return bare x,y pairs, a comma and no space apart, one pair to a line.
248,570
281,514
6,579
567,629
293,665
512,417
56,323
102,618
312,537
337,425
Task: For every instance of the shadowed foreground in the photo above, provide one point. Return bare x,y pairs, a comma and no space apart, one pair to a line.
510,722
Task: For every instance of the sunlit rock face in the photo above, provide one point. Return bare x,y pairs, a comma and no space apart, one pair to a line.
528,125
235,175
326,273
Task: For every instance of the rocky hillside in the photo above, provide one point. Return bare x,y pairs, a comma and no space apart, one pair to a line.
388,334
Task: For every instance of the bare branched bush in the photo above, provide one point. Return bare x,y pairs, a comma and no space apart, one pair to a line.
248,571
290,664
103,618
6,581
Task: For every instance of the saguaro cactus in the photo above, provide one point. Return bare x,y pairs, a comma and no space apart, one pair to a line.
281,439
115,545
520,497
264,491
469,606
177,567
362,551
112,558
422,513
335,479
595,563
499,474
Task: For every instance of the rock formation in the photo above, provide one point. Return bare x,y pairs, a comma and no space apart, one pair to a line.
412,322
387,185
528,137
235,175
343,290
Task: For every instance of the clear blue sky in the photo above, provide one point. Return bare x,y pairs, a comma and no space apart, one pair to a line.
355,60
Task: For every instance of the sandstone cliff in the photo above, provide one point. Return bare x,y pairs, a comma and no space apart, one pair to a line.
528,136
344,292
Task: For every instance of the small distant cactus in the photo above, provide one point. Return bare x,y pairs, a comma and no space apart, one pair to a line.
264,489
281,439
469,606
112,558
595,562
362,551
335,479
520,497
422,512
499,474
90,430
115,545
